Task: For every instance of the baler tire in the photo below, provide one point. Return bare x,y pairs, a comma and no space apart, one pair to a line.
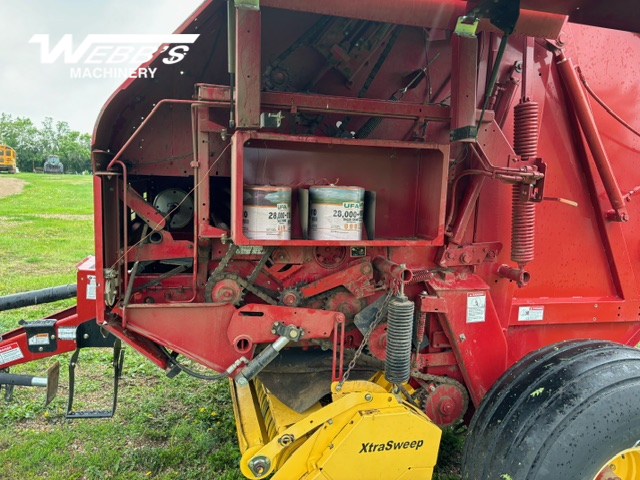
563,411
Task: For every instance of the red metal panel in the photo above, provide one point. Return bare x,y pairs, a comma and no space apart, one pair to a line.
474,332
252,324
248,72
198,331
422,13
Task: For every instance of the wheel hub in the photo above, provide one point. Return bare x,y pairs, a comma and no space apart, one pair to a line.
624,466
444,404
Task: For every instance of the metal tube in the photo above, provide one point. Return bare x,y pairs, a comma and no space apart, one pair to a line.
516,274
22,380
37,297
393,270
588,125
263,359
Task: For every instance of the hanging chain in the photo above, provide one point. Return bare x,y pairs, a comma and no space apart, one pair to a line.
376,321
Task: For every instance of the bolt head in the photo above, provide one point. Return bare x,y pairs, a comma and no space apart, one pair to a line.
446,406
241,381
368,397
289,299
259,465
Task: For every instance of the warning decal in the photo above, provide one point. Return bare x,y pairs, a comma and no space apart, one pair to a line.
529,314
476,307
10,353
91,287
39,339
67,333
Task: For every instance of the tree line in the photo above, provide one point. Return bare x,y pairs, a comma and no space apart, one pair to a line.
34,144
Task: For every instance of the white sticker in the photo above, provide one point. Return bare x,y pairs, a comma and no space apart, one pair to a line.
91,287
10,353
529,314
67,333
39,339
476,307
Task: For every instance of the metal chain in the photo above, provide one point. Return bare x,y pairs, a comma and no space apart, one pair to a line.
251,288
377,319
225,261
260,265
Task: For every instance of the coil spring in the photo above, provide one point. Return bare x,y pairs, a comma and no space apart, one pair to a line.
523,217
525,129
523,211
420,276
399,333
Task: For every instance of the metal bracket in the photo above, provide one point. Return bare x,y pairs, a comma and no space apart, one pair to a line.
538,191
41,335
467,25
118,360
90,335
463,133
473,254
8,389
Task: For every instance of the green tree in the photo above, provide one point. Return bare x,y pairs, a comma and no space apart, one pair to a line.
33,144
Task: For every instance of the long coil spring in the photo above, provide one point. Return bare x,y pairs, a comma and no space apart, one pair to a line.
399,333
525,129
523,211
523,217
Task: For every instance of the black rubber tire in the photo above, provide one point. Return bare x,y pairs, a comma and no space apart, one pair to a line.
561,412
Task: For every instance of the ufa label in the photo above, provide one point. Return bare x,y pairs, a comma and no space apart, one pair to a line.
336,213
266,213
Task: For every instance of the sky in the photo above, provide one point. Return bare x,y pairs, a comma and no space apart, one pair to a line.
29,88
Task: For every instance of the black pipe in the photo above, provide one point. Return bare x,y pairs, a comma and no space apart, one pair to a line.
37,297
22,380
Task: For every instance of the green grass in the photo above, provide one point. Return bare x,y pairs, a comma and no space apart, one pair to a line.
179,428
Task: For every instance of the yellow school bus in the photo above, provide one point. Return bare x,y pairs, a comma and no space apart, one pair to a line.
7,159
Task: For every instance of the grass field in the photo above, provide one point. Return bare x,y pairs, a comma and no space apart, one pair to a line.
181,428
